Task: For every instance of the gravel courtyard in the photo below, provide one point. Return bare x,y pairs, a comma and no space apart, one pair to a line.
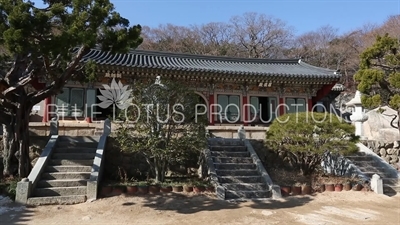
325,208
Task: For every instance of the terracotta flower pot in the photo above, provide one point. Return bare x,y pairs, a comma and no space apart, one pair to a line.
143,189
296,190
130,190
188,188
347,186
285,190
321,188
106,190
177,188
338,187
117,190
357,187
210,189
329,187
199,188
166,189
154,189
306,190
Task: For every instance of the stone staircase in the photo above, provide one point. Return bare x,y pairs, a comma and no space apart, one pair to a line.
236,171
64,178
368,165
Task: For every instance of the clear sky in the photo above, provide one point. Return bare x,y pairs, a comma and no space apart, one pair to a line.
303,15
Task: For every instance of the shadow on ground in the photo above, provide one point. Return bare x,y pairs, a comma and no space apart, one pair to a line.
15,214
184,204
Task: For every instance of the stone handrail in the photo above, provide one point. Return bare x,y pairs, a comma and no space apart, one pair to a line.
26,185
98,163
275,189
212,174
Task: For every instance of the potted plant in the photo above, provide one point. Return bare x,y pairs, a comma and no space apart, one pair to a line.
118,189
106,190
286,190
177,187
329,187
188,187
357,187
166,188
154,188
199,187
347,186
210,188
306,189
338,187
143,187
296,189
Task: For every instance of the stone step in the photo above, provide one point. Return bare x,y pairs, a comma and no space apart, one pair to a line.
247,194
232,160
72,144
372,169
235,166
57,200
237,172
361,158
79,156
391,188
230,154
79,139
366,163
382,175
74,149
391,181
225,142
61,183
240,179
58,162
229,148
65,175
68,169
246,186
59,191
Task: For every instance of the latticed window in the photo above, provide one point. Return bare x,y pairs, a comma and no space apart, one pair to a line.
229,106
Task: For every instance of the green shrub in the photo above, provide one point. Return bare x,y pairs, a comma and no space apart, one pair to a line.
306,137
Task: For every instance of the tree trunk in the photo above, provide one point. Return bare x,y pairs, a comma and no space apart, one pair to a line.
398,119
159,167
9,151
16,143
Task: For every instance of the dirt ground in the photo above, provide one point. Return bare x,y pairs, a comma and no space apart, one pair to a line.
324,208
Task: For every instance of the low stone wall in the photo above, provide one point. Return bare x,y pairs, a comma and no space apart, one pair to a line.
252,132
65,128
388,151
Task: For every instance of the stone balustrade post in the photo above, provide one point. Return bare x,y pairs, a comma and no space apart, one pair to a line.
241,133
54,126
377,184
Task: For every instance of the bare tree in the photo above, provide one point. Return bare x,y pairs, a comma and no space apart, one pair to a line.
260,36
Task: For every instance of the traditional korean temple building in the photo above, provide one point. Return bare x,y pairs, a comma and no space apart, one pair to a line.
263,83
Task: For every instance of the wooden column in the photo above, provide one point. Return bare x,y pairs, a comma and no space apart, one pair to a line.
281,100
310,104
211,108
245,107
45,117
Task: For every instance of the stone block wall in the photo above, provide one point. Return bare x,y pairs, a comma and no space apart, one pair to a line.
388,151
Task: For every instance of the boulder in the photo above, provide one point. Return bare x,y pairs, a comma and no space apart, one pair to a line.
394,159
389,151
386,158
396,144
378,127
382,152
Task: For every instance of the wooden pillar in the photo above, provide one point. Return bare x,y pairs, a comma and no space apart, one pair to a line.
310,104
245,107
281,100
45,117
211,103
211,108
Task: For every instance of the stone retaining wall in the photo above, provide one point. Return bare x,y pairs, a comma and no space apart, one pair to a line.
387,151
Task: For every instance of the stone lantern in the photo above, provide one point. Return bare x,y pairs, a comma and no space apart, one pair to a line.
358,116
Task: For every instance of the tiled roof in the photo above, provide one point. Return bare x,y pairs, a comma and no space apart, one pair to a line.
211,64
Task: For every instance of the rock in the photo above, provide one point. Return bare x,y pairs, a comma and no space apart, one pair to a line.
389,145
389,151
396,152
386,158
394,158
376,151
396,144
382,152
